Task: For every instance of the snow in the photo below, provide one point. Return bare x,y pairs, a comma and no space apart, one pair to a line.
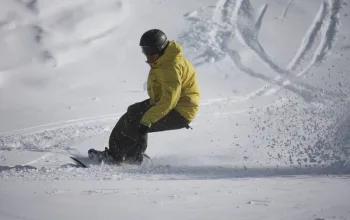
271,139
246,199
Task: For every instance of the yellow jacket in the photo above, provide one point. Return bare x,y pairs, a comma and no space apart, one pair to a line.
172,84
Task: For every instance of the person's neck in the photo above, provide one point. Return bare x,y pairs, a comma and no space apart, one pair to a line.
152,58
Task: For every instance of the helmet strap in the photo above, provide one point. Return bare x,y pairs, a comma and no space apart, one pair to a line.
163,48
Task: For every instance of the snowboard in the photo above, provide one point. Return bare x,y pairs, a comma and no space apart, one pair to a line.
85,162
78,162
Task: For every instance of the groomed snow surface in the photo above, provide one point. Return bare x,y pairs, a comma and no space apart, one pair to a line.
271,140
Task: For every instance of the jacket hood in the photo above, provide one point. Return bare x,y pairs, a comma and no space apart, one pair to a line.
172,51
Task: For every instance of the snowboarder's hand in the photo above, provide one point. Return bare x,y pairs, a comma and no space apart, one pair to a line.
143,129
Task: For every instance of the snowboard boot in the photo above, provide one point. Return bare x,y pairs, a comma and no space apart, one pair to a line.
101,156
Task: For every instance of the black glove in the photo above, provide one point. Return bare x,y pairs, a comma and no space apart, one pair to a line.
143,129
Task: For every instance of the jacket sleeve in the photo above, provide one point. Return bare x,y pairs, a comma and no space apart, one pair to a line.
170,83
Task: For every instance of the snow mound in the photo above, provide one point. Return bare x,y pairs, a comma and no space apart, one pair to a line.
55,32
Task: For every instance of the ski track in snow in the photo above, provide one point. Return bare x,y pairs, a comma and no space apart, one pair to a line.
327,18
329,32
284,13
63,124
51,140
238,19
309,37
248,26
36,160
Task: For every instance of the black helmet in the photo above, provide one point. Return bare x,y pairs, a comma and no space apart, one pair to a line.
153,41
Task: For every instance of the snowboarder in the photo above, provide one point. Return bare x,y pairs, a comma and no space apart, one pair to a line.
172,104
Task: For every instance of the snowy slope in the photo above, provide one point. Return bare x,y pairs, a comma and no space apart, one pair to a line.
270,141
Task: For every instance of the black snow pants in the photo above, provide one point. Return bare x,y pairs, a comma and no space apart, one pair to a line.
125,142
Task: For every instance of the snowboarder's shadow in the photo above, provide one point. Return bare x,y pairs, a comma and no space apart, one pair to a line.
221,172
17,168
